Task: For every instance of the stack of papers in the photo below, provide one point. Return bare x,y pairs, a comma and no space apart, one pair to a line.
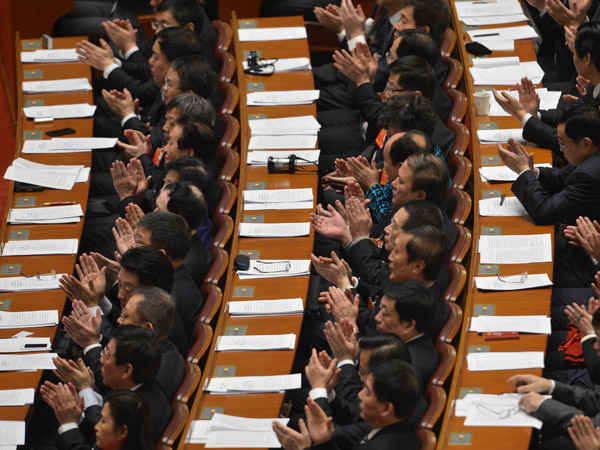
275,268
16,397
300,125
46,215
46,175
54,55
275,98
19,284
282,142
246,385
40,247
36,361
256,342
509,74
511,207
266,307
520,324
548,100
283,64
67,145
271,34
28,319
278,199
27,344
494,20
70,85
502,34
274,229
490,13
224,431
74,111
12,433
502,173
261,158
513,282
478,362
503,135
515,249
488,410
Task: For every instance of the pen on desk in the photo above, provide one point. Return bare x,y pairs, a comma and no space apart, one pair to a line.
59,203
485,35
502,199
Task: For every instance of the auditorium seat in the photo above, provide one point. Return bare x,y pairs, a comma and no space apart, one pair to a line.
458,278
230,97
232,132
175,426
459,105
225,65
462,139
448,42
320,39
435,397
458,205
455,72
201,337
224,35
447,355
453,324
212,302
462,244
228,196
218,267
228,162
427,439
222,230
459,168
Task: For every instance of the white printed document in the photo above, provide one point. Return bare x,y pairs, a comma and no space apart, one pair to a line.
46,175
70,85
28,319
36,361
275,268
507,75
502,61
479,9
478,362
242,439
271,34
16,397
494,20
502,135
496,207
274,229
266,307
278,195
198,433
34,283
494,411
74,111
256,342
285,126
505,33
261,157
283,64
67,145
282,142
548,100
515,249
43,215
12,432
245,385
513,282
26,344
275,98
502,173
520,324
51,55
40,247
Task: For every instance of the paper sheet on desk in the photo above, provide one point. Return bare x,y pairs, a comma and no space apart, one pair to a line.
50,55
18,284
242,439
274,229
479,411
285,126
502,61
50,214
494,20
520,324
200,429
266,307
283,142
284,64
28,344
478,362
12,432
502,173
256,342
276,98
515,249
37,361
45,178
271,34
507,75
477,9
278,205
261,157
16,397
275,268
68,85
504,45
495,284
40,247
74,111
548,100
67,145
278,195
511,207
503,34
502,135
244,385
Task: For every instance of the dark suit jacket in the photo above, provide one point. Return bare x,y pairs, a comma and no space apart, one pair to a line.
423,357
72,440
592,360
145,90
172,370
400,435
187,297
198,260
566,402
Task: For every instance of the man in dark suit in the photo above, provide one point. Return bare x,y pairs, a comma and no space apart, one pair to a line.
560,196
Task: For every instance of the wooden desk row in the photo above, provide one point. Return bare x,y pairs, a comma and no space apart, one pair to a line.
33,265
536,301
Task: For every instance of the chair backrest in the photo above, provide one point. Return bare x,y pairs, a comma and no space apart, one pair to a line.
226,66
145,21
232,132
459,105
213,298
224,35
458,278
427,439
436,403
462,139
190,383
458,205
222,229
201,337
455,72
462,244
447,355
175,426
230,97
460,169
448,42
320,39
228,162
228,196
452,326
218,267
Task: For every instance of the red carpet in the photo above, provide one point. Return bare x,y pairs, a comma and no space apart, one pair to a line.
7,146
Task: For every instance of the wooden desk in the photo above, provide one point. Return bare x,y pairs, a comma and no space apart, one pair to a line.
264,362
527,302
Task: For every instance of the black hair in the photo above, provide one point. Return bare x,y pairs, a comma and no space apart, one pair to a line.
412,301
582,122
157,307
177,42
410,111
405,146
586,41
416,74
429,174
168,232
418,43
130,409
397,382
193,171
150,265
428,244
187,203
198,137
195,75
420,213
384,346
184,12
194,106
434,14
139,347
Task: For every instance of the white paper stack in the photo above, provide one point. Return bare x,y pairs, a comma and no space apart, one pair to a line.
246,385
21,284
278,199
27,344
28,319
490,13
502,135
515,249
261,157
478,362
520,324
266,307
301,125
284,64
46,215
274,229
256,342
67,145
512,283
74,111
50,56
40,247
275,268
510,207
276,98
494,20
36,361
509,74
12,433
485,410
68,85
46,175
501,173
282,142
271,34
502,38
548,100
16,397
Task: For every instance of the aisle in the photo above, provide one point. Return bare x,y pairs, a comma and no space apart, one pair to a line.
7,146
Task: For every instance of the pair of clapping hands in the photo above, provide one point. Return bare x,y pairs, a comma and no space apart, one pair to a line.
353,169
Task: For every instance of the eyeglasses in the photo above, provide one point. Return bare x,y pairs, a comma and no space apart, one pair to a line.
104,356
502,414
157,26
389,89
41,276
272,266
561,146
516,279
168,84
